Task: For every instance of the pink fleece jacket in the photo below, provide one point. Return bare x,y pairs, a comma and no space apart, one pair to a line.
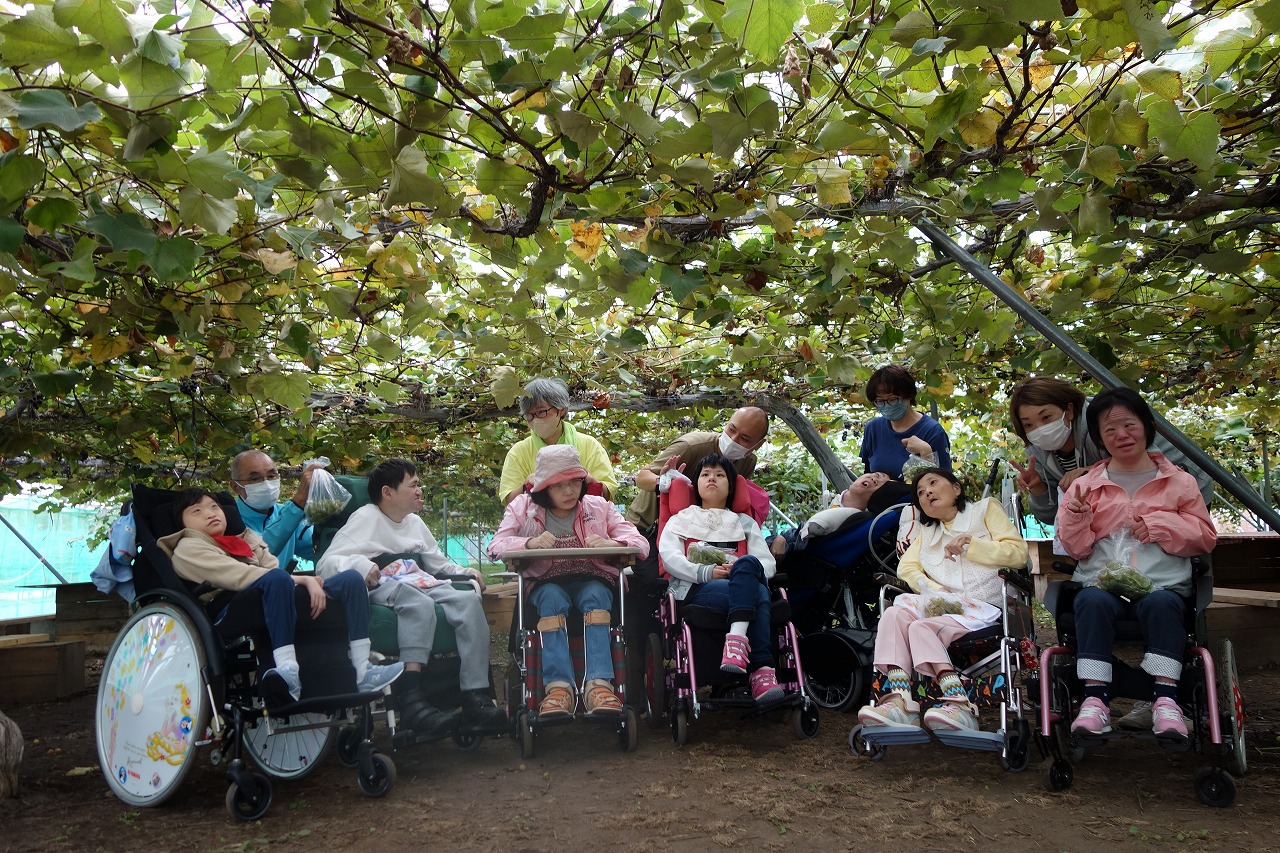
525,519
1176,517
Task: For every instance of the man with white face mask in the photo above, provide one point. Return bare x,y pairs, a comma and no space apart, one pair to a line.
544,406
255,480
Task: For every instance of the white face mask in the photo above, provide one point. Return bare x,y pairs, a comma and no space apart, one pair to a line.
262,496
547,429
1051,436
731,450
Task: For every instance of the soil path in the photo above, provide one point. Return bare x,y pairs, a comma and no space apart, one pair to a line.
737,784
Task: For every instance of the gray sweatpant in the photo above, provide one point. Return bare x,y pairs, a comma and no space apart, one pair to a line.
416,626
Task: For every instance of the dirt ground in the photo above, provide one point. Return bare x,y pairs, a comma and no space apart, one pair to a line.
742,784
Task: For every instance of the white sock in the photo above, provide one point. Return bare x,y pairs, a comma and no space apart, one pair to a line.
285,657
359,650
739,629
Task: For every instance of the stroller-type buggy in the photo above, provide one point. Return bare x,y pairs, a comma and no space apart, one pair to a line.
176,680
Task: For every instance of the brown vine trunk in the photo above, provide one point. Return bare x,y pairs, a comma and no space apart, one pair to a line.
10,756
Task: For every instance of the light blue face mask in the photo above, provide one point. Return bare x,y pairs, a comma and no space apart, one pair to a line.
892,411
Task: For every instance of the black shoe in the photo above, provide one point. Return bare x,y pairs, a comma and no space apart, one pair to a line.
424,720
479,711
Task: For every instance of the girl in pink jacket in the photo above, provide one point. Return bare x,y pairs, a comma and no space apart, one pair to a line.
1135,511
558,513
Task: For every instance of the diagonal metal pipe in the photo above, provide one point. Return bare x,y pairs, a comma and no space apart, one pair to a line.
1055,335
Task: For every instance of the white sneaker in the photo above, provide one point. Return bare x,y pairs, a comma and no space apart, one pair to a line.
891,710
959,716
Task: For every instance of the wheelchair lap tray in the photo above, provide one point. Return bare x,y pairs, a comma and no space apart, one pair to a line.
619,551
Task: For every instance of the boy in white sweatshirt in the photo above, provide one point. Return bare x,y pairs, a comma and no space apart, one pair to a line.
390,527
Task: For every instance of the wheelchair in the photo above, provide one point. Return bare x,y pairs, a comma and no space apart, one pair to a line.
525,689
997,665
682,660
834,592
176,680
1208,692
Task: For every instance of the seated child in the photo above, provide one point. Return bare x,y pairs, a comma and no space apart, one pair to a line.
696,547
558,513
203,551
953,560
390,525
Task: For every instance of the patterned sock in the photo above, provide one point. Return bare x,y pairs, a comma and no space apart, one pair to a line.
951,686
1166,691
897,680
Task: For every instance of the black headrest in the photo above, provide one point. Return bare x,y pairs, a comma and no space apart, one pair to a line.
890,494
153,509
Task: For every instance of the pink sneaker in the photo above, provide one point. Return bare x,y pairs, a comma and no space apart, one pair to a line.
765,686
1167,720
1094,718
736,650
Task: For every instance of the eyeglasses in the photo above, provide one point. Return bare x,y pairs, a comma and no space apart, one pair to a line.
540,414
887,401
256,478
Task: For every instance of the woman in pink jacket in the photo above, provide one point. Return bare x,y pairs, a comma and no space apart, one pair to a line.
558,513
1136,511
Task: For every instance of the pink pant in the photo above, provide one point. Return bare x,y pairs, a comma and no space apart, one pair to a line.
907,642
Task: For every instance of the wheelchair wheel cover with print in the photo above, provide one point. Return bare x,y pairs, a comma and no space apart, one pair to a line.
152,705
1231,708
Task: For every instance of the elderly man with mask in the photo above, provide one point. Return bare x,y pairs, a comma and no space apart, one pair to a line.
544,406
255,480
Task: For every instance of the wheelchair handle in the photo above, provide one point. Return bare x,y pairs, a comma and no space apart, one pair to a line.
1063,568
1019,579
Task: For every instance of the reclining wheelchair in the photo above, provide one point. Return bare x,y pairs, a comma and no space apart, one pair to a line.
178,678
1208,693
682,662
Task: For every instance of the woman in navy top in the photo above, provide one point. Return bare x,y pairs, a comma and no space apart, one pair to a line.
900,431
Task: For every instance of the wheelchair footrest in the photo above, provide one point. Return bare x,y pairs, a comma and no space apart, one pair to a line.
894,735
988,741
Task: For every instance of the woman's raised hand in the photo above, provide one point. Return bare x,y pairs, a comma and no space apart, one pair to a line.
957,546
1029,479
1080,503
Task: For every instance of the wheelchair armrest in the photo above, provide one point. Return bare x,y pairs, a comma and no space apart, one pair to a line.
1018,578
778,581
202,588
887,579
1063,568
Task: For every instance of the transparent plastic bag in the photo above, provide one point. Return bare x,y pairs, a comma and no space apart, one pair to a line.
1121,576
326,497
707,555
916,463
934,602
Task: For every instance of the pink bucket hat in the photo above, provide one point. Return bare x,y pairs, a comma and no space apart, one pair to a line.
557,463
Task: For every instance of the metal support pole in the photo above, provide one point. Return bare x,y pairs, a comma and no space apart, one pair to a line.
1055,335
33,550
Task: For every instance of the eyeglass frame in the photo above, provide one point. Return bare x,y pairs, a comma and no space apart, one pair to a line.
540,414
271,477
887,401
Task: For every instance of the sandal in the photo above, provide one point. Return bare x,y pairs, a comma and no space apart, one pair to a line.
601,699
559,702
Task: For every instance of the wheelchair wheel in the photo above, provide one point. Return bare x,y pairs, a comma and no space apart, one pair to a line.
859,746
680,727
629,733
655,681
804,721
526,736
1215,788
248,803
290,754
467,742
349,746
1059,776
152,705
381,780
1016,754
1231,707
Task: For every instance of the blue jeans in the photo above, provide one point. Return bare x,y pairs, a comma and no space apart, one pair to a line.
554,598
744,596
281,612
1161,616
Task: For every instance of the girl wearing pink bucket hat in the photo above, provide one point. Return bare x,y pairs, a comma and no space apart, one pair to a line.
557,512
